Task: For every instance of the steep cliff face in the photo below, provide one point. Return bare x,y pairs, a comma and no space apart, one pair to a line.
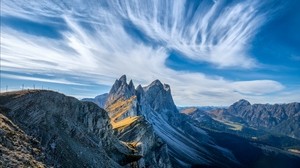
158,97
187,144
281,118
124,109
73,133
121,101
139,134
120,90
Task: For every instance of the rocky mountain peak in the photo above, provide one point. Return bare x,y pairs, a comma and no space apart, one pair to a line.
131,87
159,97
139,92
139,88
240,106
242,102
156,83
156,96
123,79
121,89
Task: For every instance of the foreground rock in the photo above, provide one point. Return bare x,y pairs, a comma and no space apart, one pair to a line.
18,149
72,133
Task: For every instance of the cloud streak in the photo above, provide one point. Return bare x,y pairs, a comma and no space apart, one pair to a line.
96,47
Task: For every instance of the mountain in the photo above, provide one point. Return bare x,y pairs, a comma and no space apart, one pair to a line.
99,100
68,132
187,144
278,118
120,90
264,149
140,127
123,108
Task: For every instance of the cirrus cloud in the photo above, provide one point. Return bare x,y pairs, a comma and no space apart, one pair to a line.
97,48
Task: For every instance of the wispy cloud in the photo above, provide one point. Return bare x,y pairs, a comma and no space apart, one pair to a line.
213,32
96,48
29,78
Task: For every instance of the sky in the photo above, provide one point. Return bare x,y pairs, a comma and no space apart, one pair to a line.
211,52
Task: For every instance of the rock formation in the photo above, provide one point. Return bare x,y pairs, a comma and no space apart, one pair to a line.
155,104
141,128
123,106
72,133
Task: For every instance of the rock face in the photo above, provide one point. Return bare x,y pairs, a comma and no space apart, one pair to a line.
72,133
120,90
158,97
18,149
139,134
99,100
124,110
187,145
280,118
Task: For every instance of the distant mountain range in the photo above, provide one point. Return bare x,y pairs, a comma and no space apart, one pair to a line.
142,127
281,119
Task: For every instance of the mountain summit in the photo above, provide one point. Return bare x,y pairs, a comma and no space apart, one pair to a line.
120,89
155,104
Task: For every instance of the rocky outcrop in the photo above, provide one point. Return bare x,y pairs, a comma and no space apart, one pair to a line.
158,97
73,133
120,90
139,134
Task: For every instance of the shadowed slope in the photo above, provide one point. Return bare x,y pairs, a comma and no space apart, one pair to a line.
73,133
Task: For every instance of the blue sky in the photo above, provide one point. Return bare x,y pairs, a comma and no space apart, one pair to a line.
211,52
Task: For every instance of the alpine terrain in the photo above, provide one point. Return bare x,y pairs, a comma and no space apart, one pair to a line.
142,127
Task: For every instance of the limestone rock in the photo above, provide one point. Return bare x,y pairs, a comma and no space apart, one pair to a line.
73,133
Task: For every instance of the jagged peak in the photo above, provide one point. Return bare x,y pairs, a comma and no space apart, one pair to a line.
139,92
131,85
123,79
139,89
120,89
156,82
242,102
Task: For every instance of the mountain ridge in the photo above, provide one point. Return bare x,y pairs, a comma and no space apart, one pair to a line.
67,129
156,104
282,118
141,127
